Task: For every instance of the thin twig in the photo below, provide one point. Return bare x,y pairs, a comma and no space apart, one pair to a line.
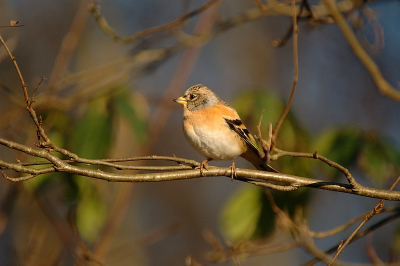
315,155
17,179
113,160
295,78
95,10
11,26
31,101
383,86
265,145
17,68
349,223
290,187
361,234
281,42
377,209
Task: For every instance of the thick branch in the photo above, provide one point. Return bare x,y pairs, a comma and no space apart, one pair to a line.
260,178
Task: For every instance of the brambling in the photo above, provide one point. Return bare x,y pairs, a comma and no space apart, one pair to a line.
216,131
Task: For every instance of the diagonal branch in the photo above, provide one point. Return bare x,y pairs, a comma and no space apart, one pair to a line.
377,209
361,234
383,86
95,10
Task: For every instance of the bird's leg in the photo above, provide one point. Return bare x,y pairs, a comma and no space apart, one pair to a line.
203,165
233,168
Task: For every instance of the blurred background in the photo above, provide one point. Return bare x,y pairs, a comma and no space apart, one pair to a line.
104,98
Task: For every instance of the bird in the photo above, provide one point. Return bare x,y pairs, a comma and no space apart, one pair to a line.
214,129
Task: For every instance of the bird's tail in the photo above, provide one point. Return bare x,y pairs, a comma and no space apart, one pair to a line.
265,167
258,163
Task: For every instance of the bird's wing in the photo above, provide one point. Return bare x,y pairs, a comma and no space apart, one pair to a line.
238,126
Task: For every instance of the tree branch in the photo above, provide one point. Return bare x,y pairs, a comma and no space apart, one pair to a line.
295,78
315,155
359,235
383,86
377,209
95,10
260,178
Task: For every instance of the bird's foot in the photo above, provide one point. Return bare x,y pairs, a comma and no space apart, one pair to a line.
203,165
233,169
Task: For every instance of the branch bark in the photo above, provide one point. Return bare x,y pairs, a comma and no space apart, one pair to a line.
260,178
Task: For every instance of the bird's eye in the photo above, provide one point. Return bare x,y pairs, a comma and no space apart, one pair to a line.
192,96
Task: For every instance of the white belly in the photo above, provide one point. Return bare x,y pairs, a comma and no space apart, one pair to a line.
210,144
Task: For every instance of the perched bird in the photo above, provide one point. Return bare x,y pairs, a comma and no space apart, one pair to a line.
216,131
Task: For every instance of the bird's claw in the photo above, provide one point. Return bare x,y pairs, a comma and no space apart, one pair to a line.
233,169
203,165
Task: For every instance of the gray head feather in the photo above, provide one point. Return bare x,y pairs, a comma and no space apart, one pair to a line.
199,97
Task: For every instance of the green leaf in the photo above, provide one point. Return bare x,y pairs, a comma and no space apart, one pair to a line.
292,136
375,155
241,213
251,103
129,107
248,213
91,212
379,158
341,145
91,137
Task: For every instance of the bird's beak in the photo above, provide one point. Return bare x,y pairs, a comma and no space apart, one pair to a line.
180,100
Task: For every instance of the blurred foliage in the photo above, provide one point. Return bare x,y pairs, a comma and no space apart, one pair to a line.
89,135
292,136
92,133
239,218
130,107
373,154
248,214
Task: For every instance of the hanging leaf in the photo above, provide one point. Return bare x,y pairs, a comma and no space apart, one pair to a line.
250,105
375,155
341,145
292,136
131,109
241,213
91,212
248,213
379,158
91,136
